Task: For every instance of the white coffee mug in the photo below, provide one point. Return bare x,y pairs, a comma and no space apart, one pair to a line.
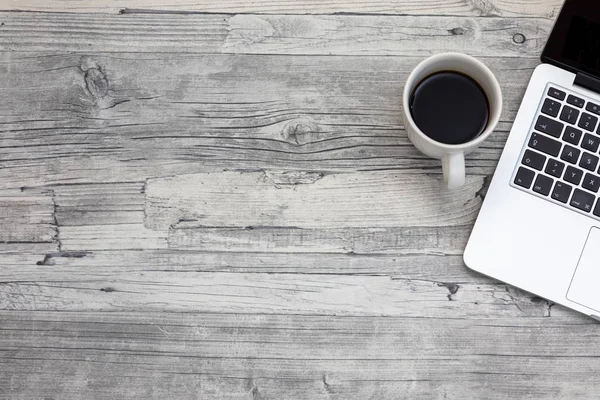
452,155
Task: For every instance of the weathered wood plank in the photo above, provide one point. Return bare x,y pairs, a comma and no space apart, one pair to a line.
106,374
46,263
267,293
28,227
451,240
23,254
27,217
224,356
91,216
535,8
310,187
111,237
100,226
274,34
309,200
377,35
99,204
158,116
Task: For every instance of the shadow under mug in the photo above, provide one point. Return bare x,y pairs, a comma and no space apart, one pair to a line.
452,155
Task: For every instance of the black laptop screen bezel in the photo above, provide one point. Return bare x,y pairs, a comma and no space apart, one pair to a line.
565,30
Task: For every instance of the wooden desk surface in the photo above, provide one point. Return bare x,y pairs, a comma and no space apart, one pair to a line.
218,200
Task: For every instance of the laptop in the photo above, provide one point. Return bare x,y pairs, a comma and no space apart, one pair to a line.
539,226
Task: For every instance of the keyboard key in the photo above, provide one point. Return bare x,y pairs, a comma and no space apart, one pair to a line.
569,114
591,183
561,192
593,108
557,94
555,168
572,135
588,161
551,107
587,122
573,175
549,126
590,142
570,154
576,101
524,177
583,200
533,160
597,209
544,144
543,185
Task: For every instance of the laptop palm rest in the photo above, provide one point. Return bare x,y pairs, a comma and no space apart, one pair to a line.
584,288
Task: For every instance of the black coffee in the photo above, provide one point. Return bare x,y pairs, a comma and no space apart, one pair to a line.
450,107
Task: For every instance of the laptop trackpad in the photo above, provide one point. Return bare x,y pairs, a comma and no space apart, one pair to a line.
584,286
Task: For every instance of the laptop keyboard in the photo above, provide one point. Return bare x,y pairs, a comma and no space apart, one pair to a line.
560,161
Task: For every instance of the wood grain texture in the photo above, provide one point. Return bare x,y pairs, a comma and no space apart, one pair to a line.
309,200
29,216
274,34
268,293
33,263
508,8
218,200
164,115
238,356
443,241
384,35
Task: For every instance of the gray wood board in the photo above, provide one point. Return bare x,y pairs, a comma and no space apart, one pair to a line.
165,115
227,206
274,34
507,8
239,356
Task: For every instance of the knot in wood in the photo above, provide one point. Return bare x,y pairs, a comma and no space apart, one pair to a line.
519,38
457,31
96,83
300,131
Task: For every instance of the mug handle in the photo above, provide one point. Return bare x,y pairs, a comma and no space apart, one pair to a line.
453,166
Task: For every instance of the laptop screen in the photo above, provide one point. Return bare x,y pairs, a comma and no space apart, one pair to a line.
574,43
